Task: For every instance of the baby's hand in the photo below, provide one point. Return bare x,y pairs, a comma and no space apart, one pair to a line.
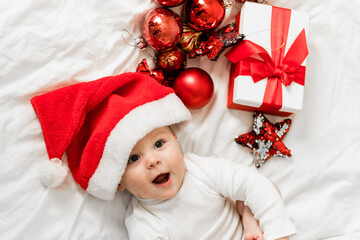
250,236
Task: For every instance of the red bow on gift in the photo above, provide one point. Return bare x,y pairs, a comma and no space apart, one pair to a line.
287,71
279,69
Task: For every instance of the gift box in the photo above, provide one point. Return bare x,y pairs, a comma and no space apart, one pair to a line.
268,67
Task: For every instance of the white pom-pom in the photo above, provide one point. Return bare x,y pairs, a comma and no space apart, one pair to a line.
53,172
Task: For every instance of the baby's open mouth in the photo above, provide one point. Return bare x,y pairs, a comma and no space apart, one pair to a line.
162,178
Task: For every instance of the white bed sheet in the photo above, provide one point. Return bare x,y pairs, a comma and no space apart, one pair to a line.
45,45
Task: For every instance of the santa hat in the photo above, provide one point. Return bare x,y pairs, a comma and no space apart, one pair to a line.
98,123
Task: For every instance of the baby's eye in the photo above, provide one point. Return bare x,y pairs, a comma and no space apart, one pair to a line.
159,144
133,158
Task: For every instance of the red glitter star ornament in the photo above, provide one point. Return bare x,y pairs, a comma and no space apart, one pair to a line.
265,139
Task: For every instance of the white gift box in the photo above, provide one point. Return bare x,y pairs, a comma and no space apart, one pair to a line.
259,23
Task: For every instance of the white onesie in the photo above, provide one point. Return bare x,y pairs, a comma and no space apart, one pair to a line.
204,207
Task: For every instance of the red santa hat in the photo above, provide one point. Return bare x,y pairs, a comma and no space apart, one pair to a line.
98,123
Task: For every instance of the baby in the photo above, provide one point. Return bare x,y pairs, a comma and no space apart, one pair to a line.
176,197
116,135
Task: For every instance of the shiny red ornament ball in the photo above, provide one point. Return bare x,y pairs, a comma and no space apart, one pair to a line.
194,87
204,15
169,3
171,61
161,28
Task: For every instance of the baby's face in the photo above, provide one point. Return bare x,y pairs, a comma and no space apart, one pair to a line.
156,166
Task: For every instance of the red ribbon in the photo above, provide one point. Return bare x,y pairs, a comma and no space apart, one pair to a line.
278,69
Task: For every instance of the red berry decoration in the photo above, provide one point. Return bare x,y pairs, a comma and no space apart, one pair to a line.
194,87
204,15
265,139
170,3
171,61
161,28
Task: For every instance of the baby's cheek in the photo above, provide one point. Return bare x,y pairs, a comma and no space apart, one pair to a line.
179,163
138,186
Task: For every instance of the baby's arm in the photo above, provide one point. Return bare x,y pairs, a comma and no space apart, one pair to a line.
238,182
252,230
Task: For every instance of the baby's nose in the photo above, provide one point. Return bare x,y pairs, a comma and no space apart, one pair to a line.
153,161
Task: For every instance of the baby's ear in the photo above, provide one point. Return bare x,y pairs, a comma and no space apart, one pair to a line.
121,188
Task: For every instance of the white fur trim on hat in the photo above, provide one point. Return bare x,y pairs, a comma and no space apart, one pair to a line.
53,172
133,127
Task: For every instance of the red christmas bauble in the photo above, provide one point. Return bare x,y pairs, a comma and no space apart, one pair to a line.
204,15
171,61
194,87
169,3
161,28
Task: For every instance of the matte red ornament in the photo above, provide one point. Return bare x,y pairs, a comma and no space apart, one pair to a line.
194,87
170,3
171,61
161,28
265,139
204,15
